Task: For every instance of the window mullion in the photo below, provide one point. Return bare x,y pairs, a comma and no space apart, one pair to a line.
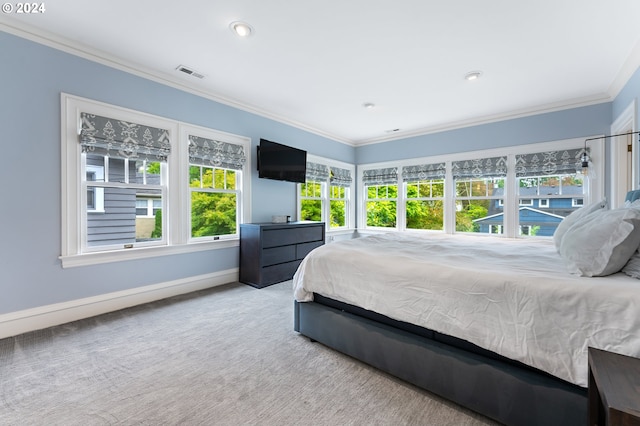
401,205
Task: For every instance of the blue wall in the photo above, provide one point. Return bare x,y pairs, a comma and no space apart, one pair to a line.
566,124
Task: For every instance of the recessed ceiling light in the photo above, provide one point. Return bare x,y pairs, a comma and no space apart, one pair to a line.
369,105
241,29
473,75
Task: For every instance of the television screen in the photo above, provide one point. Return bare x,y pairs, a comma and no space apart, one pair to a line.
281,162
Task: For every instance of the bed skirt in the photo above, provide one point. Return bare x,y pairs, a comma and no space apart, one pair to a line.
505,391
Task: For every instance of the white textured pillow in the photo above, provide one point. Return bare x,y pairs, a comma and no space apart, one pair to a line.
602,242
574,218
632,268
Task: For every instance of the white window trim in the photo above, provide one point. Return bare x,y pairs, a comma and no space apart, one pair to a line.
543,203
575,203
594,186
350,216
177,216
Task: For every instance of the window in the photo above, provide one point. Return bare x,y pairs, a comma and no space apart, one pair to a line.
338,206
311,200
424,196
340,182
552,179
133,180
123,161
326,194
215,182
510,191
147,207
381,192
479,191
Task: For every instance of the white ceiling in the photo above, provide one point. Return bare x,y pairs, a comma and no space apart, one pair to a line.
314,63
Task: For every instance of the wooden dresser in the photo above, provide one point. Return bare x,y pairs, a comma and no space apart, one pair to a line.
271,252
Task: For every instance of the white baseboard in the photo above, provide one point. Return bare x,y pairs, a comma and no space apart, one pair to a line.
19,322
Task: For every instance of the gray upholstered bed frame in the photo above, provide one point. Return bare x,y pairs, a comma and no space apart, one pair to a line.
501,389
507,391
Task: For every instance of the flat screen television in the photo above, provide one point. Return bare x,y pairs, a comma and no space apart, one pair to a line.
281,162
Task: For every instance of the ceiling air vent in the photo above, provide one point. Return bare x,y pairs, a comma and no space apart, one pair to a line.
190,71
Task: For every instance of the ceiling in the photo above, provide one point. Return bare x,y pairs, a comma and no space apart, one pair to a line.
314,63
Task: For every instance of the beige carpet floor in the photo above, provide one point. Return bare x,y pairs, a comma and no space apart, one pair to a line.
224,356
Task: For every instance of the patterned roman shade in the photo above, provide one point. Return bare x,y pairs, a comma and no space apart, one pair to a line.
341,177
479,168
386,176
423,172
121,139
549,163
213,153
317,172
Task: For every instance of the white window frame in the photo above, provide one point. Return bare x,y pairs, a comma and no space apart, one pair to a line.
577,202
176,214
594,187
543,203
148,207
350,214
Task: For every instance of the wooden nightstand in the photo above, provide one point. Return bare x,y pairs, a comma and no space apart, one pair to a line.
614,389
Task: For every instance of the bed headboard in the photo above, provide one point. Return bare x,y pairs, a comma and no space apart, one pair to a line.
633,195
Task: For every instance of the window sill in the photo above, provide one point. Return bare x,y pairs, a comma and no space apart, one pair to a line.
97,258
340,231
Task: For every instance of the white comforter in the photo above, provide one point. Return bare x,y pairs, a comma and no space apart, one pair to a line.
511,296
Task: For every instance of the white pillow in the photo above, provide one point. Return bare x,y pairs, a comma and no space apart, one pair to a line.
602,242
573,218
632,268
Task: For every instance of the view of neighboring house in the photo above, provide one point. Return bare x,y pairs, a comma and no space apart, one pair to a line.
537,215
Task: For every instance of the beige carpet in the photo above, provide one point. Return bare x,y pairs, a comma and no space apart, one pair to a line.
225,356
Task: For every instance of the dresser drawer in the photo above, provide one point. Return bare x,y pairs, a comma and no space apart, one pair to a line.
286,236
303,249
278,273
275,255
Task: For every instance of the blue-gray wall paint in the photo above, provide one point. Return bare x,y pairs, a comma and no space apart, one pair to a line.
565,124
33,77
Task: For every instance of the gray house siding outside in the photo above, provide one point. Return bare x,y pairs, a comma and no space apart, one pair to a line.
116,222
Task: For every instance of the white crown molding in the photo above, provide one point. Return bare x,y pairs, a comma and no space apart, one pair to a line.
72,47
630,66
39,36
526,112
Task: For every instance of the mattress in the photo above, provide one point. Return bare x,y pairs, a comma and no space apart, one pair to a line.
510,296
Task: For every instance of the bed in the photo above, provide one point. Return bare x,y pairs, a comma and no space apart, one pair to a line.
497,325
